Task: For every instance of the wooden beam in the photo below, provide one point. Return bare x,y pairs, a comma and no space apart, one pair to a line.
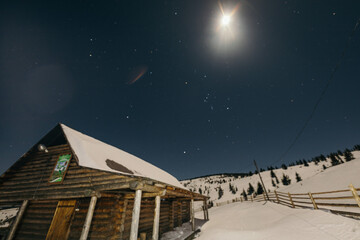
155,235
88,219
17,220
135,215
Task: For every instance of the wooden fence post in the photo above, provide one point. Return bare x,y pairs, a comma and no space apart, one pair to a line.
313,201
252,199
17,219
204,209
135,215
277,196
264,196
355,194
155,233
292,203
241,199
88,219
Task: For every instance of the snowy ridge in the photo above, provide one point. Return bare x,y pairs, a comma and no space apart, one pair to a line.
314,178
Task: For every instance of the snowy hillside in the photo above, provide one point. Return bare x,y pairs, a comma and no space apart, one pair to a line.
319,176
256,220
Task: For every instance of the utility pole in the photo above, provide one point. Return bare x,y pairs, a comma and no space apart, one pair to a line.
267,196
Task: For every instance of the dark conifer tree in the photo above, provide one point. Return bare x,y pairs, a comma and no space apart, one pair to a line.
334,160
220,192
250,189
348,155
305,163
298,178
283,166
244,195
273,183
259,189
324,167
286,180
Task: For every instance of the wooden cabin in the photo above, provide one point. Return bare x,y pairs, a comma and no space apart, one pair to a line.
72,186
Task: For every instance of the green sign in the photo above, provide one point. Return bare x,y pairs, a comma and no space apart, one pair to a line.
59,171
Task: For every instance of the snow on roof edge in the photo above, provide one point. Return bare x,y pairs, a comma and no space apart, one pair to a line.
93,153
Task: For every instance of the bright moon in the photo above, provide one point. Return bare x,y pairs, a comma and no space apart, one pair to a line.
225,20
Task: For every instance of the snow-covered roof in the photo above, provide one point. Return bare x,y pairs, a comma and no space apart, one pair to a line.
95,154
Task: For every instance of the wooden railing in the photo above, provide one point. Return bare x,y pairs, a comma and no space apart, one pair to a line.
345,202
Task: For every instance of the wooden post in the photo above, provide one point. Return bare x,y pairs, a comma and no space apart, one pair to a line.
17,220
135,215
241,199
204,209
313,201
192,215
264,196
291,201
252,199
88,219
155,235
277,196
355,194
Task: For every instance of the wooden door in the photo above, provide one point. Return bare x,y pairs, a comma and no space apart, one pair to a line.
59,228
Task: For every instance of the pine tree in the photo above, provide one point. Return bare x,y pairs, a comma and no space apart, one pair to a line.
334,160
250,173
298,178
324,167
273,183
277,180
220,192
200,191
348,155
250,189
260,189
283,166
356,147
305,163
272,174
286,180
244,195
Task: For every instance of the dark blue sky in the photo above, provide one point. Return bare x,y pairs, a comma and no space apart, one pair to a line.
203,105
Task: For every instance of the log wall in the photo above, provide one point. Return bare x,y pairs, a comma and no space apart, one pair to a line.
28,178
36,220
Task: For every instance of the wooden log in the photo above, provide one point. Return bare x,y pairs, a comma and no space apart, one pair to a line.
291,201
192,215
313,201
123,217
135,215
155,235
89,215
17,220
355,194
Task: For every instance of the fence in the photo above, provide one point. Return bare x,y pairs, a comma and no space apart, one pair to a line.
345,202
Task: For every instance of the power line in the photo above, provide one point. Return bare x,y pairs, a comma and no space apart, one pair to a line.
298,135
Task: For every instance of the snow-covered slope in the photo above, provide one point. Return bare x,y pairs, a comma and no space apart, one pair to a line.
255,221
314,178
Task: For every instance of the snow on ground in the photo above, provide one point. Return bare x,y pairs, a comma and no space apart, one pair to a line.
254,220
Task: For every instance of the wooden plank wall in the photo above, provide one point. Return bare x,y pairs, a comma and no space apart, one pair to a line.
36,220
28,179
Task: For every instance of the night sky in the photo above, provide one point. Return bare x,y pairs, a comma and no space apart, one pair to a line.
165,81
